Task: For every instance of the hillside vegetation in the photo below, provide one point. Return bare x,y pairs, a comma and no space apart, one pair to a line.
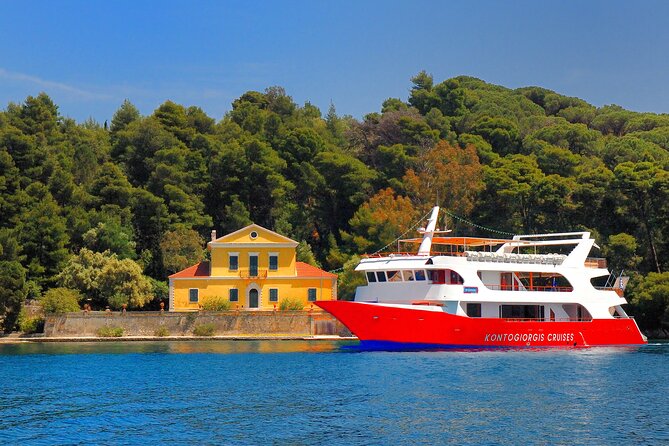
111,209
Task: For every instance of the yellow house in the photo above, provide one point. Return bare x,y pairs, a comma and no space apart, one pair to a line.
254,268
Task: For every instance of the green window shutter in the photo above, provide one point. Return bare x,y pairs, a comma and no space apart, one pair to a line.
234,295
273,295
234,263
193,295
312,295
273,262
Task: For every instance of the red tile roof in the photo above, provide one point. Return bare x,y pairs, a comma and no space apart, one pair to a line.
198,270
306,270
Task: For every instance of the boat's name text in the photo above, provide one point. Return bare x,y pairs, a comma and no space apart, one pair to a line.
529,337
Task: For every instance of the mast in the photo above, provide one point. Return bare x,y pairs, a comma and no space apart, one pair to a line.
428,233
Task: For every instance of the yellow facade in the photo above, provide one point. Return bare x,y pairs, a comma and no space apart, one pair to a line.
260,265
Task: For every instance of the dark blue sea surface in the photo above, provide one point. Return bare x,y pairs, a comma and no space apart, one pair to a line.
303,393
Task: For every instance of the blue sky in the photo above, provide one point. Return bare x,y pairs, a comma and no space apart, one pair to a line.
91,55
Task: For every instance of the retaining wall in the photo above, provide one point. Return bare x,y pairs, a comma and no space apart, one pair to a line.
233,323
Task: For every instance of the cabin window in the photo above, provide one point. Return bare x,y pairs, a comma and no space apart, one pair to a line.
273,295
407,275
381,275
521,311
233,295
525,281
311,295
445,276
234,262
394,276
371,277
474,310
420,274
273,262
193,295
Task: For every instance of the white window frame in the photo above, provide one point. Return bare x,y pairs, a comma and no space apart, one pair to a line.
270,294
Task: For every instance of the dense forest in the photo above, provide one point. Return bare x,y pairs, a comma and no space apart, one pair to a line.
109,210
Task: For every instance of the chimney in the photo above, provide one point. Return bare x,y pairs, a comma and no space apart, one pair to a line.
213,235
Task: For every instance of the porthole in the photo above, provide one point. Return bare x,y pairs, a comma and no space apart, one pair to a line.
254,234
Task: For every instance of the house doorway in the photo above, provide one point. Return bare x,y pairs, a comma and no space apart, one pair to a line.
254,302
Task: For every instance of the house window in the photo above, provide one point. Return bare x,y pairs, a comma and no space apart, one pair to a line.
273,262
234,295
474,310
234,262
254,234
273,295
311,295
253,265
193,295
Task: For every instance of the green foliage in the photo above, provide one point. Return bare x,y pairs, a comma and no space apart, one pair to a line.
216,303
180,249
161,332
110,332
13,286
107,280
207,329
291,304
30,324
349,279
650,299
305,254
149,187
60,300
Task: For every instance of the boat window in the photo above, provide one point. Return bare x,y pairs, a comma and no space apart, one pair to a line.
420,274
408,276
381,275
394,276
525,281
473,310
371,277
521,312
456,279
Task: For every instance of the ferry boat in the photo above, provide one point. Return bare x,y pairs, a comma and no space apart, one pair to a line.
469,292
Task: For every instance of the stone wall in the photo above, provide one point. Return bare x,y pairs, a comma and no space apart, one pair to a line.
232,323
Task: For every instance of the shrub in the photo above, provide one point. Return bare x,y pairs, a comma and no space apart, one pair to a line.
161,332
29,324
216,303
60,300
110,332
204,330
117,301
291,304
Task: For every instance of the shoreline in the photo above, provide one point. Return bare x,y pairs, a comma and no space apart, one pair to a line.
14,339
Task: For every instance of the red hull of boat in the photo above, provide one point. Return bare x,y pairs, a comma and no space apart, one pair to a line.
373,323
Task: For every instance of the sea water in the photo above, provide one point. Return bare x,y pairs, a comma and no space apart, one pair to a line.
313,392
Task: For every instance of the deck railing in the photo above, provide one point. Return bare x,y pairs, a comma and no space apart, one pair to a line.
562,289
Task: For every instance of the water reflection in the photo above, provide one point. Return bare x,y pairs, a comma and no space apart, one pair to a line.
174,347
286,346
